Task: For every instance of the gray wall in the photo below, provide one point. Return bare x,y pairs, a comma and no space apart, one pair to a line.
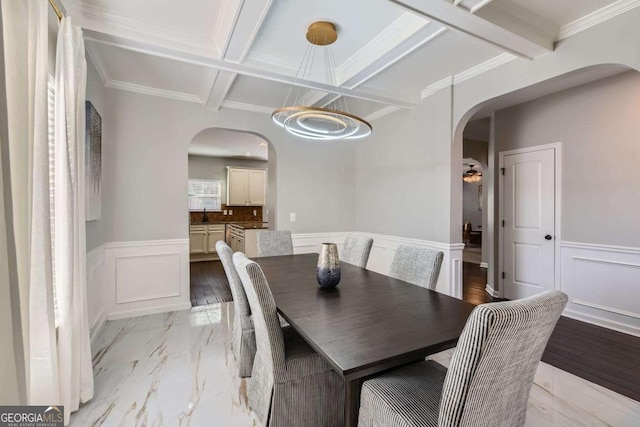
215,168
400,187
598,126
146,169
95,94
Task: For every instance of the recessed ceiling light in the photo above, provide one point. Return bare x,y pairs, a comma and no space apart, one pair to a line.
262,144
248,154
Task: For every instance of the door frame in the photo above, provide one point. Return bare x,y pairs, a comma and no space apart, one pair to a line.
557,147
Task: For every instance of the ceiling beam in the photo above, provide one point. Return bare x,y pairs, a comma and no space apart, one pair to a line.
407,100
462,21
247,20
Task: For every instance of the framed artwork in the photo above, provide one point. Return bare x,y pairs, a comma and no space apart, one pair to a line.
93,163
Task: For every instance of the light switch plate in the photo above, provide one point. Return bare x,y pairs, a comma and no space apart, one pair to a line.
292,216
230,212
225,212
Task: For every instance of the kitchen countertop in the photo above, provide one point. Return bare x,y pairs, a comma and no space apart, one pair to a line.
251,225
226,222
245,225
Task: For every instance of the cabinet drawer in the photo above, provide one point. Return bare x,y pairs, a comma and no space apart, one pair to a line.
216,228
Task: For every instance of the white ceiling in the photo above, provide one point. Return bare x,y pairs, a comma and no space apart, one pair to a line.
216,142
244,54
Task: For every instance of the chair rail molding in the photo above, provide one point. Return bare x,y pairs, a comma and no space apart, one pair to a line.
602,284
383,251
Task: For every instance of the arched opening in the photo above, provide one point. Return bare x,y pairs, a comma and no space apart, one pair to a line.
520,115
232,195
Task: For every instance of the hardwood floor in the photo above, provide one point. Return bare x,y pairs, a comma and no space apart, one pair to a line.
474,279
603,356
208,283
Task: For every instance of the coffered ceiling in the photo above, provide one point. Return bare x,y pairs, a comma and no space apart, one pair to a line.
245,54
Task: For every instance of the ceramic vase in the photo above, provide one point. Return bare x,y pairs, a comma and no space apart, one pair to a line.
328,266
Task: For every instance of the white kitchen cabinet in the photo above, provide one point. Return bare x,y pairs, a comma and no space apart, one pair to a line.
202,241
198,240
246,187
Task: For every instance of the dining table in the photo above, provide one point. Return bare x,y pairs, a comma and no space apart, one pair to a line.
368,324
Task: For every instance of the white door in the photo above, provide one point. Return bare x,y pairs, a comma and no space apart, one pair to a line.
528,211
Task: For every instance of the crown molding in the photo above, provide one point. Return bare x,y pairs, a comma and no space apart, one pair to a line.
381,112
483,67
519,20
96,18
107,81
388,39
423,36
434,87
152,91
247,107
594,18
97,63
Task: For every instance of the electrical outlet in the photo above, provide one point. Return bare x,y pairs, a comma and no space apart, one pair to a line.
230,212
292,216
255,212
225,212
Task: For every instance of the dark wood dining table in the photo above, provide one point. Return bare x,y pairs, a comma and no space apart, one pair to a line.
368,324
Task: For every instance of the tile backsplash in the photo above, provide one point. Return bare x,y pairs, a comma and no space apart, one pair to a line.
240,214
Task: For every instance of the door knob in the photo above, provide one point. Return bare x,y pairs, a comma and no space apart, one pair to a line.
548,237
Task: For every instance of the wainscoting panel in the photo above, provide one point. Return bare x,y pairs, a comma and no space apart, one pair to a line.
146,277
96,303
603,284
383,251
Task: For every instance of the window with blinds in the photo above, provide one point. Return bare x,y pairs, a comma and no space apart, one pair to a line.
51,91
205,194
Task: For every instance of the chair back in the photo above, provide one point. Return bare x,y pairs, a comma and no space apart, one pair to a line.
274,243
420,266
240,303
356,250
270,357
492,370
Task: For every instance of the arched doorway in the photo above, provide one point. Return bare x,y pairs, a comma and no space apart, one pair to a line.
231,191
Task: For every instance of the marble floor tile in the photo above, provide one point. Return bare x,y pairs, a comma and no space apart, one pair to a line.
177,369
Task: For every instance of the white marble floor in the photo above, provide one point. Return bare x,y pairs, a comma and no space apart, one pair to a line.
176,369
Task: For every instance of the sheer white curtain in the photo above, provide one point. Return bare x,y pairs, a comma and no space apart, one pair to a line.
26,50
58,368
74,351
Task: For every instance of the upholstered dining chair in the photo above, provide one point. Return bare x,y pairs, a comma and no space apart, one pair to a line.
356,250
243,341
291,385
416,265
274,243
489,379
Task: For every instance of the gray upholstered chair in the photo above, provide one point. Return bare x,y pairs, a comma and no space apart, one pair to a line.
489,379
291,385
356,250
420,266
243,341
274,243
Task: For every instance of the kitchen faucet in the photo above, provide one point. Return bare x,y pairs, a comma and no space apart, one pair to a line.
204,214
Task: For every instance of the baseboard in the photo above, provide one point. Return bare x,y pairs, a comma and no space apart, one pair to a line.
125,314
605,323
484,265
491,291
